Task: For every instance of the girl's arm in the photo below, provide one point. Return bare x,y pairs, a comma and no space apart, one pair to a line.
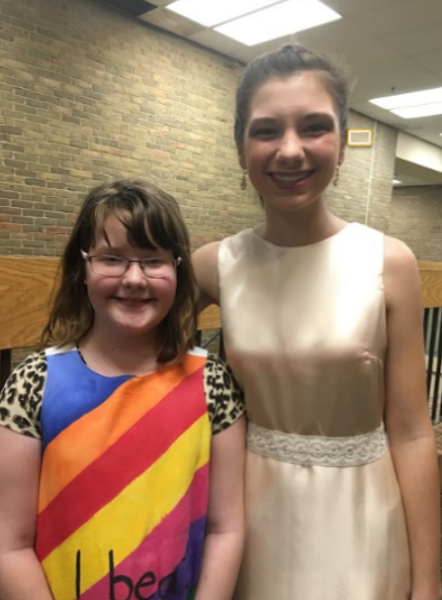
409,428
21,575
225,520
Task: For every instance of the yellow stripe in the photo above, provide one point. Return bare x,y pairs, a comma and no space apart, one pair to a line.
123,524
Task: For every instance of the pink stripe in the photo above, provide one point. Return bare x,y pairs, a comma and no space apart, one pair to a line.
163,549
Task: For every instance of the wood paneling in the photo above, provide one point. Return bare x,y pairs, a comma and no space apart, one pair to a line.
431,278
26,287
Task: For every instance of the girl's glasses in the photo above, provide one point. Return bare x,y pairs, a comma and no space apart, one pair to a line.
116,266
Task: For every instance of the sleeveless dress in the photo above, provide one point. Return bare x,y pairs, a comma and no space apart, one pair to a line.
305,334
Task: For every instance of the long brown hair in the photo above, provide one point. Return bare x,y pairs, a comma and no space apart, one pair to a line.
153,220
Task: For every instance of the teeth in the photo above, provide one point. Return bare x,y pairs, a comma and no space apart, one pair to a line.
290,178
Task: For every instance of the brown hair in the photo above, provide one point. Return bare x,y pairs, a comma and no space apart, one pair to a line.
289,60
152,219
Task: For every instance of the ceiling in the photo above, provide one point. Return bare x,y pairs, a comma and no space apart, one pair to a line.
389,46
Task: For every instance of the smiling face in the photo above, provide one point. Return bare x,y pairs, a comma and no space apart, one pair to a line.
292,143
133,304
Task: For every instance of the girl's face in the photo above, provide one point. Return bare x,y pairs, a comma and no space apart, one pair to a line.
292,143
131,304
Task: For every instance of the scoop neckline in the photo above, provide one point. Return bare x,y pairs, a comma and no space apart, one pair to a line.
326,241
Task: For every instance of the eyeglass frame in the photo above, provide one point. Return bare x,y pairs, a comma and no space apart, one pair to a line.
88,258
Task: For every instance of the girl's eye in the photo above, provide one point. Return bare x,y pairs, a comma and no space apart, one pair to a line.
265,132
154,262
317,128
110,260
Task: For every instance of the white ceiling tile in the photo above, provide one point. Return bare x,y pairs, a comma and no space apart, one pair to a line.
352,45
409,16
353,7
401,74
416,41
431,61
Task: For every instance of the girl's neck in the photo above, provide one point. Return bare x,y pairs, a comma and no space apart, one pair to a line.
303,227
112,357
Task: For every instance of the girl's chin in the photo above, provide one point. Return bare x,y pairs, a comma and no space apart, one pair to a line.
290,203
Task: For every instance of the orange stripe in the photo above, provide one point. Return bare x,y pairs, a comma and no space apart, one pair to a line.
149,390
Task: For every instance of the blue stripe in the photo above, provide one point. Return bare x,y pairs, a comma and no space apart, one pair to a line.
71,391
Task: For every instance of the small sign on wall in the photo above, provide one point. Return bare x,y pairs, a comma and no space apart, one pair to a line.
360,137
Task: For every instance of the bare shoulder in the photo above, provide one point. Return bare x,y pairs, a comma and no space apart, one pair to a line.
401,272
205,264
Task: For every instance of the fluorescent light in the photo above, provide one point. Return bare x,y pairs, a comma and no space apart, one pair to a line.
278,20
209,13
396,181
411,99
413,112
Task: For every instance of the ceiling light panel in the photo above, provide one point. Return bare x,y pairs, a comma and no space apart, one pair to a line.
278,20
209,13
411,99
414,112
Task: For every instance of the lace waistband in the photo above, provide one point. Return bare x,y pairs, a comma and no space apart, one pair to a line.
318,450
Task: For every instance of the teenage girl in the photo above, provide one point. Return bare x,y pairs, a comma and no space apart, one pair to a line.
322,326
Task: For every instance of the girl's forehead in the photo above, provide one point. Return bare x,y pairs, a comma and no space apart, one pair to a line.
304,91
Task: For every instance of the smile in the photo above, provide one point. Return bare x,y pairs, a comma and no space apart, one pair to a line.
291,178
133,301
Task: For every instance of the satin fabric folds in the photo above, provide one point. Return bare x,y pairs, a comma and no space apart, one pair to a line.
305,333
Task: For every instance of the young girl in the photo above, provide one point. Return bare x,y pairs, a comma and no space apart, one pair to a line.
323,327
121,455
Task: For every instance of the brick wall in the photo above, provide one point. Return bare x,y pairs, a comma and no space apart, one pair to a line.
88,94
416,219
365,185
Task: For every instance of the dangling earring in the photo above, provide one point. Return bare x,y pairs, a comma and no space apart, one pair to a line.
336,179
243,183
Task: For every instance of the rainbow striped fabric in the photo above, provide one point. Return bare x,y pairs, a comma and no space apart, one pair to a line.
124,483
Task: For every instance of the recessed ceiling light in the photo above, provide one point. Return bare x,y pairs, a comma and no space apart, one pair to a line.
209,13
396,181
278,20
411,99
414,112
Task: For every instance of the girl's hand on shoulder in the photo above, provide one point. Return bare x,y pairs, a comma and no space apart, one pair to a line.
205,264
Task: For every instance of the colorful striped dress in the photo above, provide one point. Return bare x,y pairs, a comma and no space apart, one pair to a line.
125,471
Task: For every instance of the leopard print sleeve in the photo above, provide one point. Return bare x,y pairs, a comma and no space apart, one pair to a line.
21,397
225,400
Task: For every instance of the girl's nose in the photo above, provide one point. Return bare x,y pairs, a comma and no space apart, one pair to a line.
291,147
134,276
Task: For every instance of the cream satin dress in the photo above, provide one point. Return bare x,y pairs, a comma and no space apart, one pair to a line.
305,333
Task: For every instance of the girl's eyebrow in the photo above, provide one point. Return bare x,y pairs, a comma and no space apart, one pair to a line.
318,115
259,120
314,115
